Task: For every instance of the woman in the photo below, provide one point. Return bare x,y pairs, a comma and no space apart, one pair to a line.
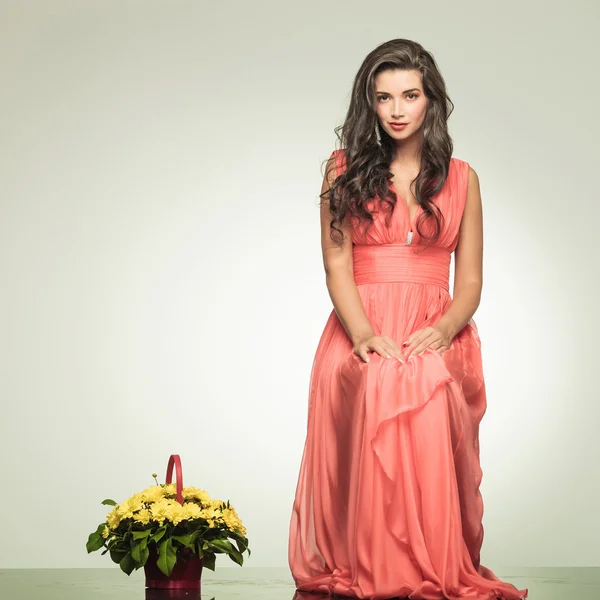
388,502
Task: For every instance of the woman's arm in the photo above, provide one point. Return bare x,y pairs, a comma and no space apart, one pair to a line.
339,271
468,271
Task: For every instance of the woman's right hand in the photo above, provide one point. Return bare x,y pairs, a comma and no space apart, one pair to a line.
382,344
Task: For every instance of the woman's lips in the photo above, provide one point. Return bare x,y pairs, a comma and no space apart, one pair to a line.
398,126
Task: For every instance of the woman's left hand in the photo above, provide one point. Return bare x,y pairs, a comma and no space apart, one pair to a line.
435,337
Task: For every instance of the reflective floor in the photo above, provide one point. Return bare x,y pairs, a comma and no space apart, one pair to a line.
252,583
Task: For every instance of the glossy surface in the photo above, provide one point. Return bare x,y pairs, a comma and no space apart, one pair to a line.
252,583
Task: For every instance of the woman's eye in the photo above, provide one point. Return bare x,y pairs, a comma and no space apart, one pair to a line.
412,96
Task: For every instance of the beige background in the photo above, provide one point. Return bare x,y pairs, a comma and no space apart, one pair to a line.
162,285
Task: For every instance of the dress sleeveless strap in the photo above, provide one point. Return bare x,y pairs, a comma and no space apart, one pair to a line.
460,182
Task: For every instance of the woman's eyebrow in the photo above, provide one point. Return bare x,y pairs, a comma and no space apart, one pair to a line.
404,92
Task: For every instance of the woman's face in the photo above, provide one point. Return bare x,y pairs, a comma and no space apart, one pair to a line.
400,98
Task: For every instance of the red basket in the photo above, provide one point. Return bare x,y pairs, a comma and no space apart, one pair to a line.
188,568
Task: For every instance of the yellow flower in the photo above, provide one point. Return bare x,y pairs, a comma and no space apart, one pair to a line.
113,519
175,513
153,494
158,510
240,529
194,493
212,515
166,509
170,489
191,510
143,516
233,521
126,509
157,503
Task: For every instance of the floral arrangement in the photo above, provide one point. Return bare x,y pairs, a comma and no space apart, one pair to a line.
198,525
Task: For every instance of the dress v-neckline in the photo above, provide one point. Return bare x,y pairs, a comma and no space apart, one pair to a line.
406,208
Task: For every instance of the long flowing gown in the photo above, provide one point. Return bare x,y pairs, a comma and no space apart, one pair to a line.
387,503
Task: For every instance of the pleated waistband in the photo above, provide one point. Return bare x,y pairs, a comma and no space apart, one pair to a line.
399,262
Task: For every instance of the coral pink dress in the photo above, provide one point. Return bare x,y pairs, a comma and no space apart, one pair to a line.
388,503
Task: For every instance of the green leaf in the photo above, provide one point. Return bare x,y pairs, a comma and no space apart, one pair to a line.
186,540
95,540
236,557
166,557
127,564
138,535
198,548
144,554
209,561
109,502
221,545
159,534
137,548
241,541
117,554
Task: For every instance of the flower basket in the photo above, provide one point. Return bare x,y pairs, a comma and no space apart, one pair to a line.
171,531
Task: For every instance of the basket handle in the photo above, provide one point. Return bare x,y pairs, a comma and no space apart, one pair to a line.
174,460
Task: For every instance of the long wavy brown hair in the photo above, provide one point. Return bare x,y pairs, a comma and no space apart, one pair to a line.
368,165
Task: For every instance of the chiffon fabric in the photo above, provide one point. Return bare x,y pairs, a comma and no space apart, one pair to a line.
387,503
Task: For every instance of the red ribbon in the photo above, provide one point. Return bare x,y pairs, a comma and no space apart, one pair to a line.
174,460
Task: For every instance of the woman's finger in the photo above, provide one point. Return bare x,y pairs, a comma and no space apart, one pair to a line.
392,349
411,347
363,353
397,352
392,343
383,351
419,345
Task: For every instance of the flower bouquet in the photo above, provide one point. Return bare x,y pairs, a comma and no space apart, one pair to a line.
171,531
